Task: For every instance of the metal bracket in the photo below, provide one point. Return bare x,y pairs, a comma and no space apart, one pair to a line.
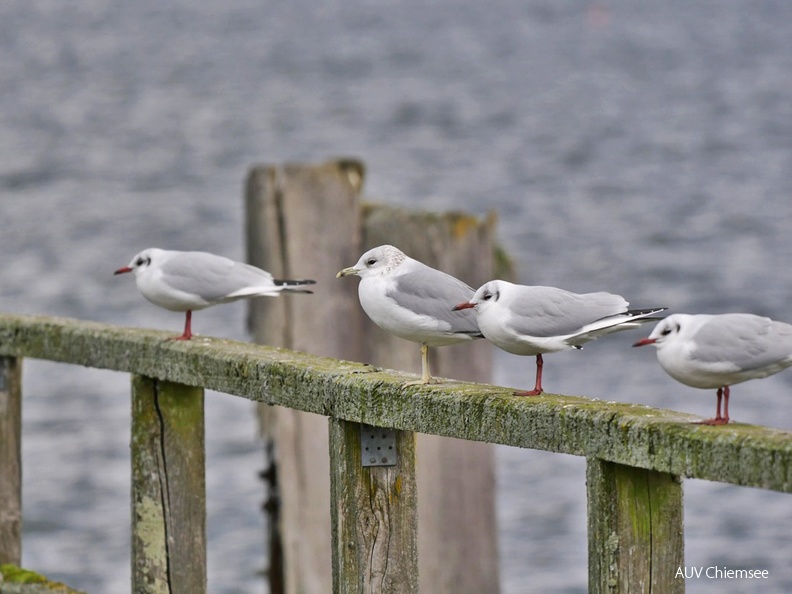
377,446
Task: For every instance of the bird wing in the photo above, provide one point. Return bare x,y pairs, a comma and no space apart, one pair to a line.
544,312
433,293
214,278
744,340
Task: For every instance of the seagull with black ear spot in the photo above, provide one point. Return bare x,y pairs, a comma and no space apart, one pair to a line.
411,300
187,281
532,320
717,351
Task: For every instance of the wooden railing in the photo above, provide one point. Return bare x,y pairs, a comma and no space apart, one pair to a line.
636,455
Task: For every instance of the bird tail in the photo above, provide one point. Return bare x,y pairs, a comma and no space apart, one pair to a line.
628,320
290,286
641,316
632,318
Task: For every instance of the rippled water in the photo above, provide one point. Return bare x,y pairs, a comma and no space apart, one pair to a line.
640,148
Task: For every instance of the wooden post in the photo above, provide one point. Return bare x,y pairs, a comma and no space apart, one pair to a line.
306,221
303,222
374,519
10,460
636,539
168,488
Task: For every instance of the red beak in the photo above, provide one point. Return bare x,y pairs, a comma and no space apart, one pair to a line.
465,305
644,342
123,270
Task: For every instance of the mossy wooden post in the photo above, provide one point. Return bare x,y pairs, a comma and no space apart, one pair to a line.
10,460
304,222
374,515
456,479
636,539
168,488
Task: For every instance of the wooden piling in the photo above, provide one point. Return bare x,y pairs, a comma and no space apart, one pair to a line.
304,222
636,537
168,488
10,460
307,221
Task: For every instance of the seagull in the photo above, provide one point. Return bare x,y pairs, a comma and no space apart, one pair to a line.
411,300
187,281
531,320
717,351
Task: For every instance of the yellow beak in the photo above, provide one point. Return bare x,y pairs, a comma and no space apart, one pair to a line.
346,272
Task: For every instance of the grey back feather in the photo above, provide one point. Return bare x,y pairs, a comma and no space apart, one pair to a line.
211,276
434,293
547,311
746,340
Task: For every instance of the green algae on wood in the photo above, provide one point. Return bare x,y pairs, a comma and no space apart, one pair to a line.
15,580
168,488
10,460
635,529
623,433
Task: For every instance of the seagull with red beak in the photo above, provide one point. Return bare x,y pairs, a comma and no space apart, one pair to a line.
531,321
716,351
187,281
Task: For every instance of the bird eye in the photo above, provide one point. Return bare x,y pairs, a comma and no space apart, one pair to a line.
371,261
486,296
140,261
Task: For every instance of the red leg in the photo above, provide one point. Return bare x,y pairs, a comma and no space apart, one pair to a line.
538,384
187,334
723,394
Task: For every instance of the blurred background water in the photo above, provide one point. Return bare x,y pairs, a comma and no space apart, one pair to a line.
642,148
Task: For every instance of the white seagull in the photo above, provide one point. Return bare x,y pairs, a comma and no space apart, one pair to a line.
412,301
187,281
526,320
717,351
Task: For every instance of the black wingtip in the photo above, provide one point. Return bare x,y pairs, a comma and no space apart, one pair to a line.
285,282
646,312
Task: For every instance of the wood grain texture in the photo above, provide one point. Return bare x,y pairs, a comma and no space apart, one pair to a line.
636,535
168,488
374,514
10,460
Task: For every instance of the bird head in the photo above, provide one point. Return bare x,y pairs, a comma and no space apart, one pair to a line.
484,297
665,331
379,260
140,262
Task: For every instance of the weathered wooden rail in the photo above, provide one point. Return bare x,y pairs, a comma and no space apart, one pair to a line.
636,455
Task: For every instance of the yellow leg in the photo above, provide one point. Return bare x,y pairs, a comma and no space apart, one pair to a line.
426,377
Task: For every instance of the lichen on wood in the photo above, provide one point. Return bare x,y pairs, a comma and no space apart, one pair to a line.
168,488
629,434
